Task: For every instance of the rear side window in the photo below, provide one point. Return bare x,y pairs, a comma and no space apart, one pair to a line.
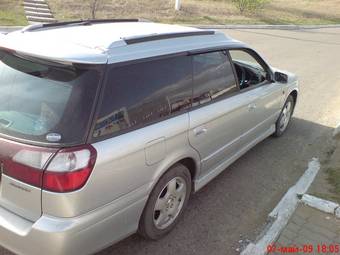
213,77
140,94
44,102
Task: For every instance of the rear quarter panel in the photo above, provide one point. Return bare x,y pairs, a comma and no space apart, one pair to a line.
127,167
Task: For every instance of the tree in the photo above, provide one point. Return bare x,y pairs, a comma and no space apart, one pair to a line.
94,7
249,5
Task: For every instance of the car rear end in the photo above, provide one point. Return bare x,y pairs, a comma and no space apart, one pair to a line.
45,116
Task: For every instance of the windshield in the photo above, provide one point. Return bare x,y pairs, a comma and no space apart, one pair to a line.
43,102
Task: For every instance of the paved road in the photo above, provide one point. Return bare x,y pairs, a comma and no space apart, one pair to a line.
312,229
235,205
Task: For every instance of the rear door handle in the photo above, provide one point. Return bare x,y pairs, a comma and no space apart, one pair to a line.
200,131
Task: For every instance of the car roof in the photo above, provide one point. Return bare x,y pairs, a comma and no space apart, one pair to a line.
109,42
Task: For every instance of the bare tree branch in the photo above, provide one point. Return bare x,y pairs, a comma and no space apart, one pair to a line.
94,7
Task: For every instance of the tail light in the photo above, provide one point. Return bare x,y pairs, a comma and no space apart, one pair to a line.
53,170
69,169
27,164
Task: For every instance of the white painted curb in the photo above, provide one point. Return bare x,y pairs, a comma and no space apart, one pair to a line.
283,211
280,27
8,29
321,204
336,131
337,212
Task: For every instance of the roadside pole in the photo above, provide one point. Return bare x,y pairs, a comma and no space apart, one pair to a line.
177,5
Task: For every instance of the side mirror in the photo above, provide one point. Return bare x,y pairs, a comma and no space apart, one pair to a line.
280,77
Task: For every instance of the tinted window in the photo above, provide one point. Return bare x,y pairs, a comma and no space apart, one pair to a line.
249,71
41,102
142,93
213,77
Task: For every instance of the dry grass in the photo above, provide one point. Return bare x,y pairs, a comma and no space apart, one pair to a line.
204,11
193,11
334,180
301,12
12,13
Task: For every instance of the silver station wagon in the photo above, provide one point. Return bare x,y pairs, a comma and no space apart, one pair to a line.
108,126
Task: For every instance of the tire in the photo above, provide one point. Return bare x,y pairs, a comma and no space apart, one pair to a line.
283,121
170,195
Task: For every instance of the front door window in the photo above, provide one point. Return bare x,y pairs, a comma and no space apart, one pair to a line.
249,71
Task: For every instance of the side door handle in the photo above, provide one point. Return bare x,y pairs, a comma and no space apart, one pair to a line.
200,131
251,107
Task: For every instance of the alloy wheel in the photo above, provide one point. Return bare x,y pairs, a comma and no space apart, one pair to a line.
169,202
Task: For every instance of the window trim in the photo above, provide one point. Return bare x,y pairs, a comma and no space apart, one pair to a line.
131,129
101,70
228,95
189,53
234,71
259,59
105,83
98,102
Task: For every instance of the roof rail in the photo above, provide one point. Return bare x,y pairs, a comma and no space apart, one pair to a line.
76,23
155,37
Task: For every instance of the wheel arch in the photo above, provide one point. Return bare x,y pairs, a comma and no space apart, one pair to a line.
294,94
192,162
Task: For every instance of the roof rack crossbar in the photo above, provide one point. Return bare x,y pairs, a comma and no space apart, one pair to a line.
75,22
155,37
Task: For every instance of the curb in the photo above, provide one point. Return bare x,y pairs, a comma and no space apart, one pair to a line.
38,11
7,29
283,211
278,27
321,204
336,132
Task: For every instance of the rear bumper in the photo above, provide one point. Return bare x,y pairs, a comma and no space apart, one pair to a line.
69,236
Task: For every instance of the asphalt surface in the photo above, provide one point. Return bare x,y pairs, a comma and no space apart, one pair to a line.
234,206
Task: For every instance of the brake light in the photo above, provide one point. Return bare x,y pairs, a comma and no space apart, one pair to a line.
27,165
23,173
52,170
69,169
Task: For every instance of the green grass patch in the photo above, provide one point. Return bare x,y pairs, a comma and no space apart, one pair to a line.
12,18
334,179
325,196
12,13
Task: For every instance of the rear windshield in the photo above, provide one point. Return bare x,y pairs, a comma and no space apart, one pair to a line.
44,102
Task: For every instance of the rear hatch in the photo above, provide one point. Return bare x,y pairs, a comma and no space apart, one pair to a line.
44,107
